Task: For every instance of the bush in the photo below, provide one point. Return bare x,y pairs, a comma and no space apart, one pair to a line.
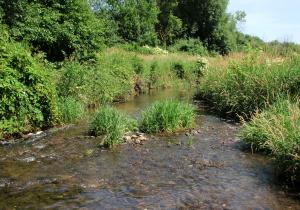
249,85
70,109
167,116
192,46
277,130
112,124
111,77
27,94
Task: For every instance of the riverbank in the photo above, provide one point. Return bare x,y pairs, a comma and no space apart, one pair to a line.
263,92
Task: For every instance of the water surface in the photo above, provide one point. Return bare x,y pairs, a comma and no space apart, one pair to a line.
66,170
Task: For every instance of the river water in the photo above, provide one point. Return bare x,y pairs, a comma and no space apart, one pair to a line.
66,170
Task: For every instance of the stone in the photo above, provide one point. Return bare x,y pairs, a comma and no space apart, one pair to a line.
39,133
29,159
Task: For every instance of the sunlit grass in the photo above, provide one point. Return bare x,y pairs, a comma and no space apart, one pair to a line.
167,116
112,124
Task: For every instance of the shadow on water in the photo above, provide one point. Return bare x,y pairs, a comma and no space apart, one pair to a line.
207,171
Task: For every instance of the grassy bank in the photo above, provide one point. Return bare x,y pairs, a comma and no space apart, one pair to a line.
250,84
258,89
62,92
277,131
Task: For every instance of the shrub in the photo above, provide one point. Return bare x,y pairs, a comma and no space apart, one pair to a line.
277,130
70,109
179,70
111,77
27,94
167,116
112,124
249,85
192,46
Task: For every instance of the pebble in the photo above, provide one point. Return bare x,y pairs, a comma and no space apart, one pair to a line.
41,146
29,159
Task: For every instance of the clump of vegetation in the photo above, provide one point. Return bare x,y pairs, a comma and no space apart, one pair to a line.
27,94
277,131
191,46
70,109
167,116
251,84
112,124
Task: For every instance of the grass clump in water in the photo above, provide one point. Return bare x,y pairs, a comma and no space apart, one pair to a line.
277,131
70,109
112,124
167,116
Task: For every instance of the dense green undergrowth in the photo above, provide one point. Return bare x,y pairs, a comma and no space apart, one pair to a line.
167,116
277,131
28,96
119,75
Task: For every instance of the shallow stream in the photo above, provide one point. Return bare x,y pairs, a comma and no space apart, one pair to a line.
65,170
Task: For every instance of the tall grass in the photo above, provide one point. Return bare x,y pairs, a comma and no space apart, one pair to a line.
246,86
70,109
112,124
277,130
167,116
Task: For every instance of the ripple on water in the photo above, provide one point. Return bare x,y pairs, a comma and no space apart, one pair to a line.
66,170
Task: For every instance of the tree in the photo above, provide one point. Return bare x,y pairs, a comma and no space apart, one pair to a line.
207,20
169,26
58,28
135,20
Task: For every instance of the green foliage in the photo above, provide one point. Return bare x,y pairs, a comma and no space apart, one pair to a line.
179,70
167,116
112,124
192,46
111,77
208,21
70,109
277,130
58,28
27,95
249,85
135,20
169,26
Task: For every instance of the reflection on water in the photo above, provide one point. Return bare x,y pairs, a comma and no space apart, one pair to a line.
67,171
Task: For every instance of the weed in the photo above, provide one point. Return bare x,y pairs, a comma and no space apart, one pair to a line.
112,124
167,116
70,109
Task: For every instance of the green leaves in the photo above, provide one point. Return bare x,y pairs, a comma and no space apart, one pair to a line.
27,95
58,28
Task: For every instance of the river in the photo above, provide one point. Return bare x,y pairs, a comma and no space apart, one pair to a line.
66,170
